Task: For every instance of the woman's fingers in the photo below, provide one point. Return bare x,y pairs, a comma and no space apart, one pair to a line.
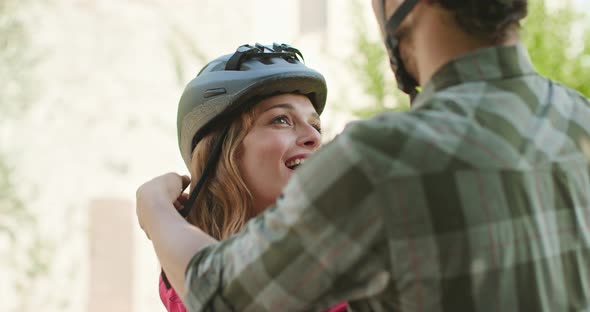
169,187
181,201
183,198
178,205
186,181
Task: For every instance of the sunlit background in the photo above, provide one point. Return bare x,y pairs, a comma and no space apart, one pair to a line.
88,95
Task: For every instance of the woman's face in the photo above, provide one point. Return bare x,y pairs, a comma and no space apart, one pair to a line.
286,130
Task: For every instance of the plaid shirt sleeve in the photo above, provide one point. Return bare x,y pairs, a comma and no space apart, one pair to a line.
323,227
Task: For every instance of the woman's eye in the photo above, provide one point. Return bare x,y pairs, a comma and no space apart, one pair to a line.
318,128
282,120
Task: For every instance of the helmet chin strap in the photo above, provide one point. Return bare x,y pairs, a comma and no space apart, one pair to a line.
210,165
405,81
398,16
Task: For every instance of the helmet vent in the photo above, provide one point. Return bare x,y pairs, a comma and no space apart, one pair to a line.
214,92
266,60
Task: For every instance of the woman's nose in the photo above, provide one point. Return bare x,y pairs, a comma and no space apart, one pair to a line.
309,137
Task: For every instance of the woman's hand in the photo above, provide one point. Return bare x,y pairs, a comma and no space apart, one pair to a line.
174,239
157,194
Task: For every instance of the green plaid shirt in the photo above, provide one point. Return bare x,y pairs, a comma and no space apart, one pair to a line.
478,199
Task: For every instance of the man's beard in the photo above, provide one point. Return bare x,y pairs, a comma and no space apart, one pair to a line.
406,49
391,27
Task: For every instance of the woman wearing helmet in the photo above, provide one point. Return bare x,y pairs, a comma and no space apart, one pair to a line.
244,124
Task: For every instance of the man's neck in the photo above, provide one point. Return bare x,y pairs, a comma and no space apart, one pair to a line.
443,42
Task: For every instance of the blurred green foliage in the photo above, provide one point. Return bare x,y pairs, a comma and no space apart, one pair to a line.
16,60
27,253
371,65
559,44
558,41
13,79
185,54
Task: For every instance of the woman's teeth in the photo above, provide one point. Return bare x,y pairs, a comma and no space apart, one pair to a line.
294,163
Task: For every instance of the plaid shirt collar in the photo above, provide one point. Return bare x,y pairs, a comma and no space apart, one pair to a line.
498,62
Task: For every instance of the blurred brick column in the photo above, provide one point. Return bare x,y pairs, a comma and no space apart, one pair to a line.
111,255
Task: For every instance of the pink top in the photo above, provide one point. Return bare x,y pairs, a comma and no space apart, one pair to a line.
173,303
170,299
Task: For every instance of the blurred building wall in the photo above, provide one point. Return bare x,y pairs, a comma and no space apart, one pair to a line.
109,76
112,254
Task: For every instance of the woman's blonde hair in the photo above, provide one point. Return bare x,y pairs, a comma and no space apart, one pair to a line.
224,203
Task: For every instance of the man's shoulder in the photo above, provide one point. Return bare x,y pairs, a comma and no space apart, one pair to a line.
386,126
392,128
575,95
406,143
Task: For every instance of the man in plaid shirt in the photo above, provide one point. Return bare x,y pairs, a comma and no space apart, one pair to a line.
478,199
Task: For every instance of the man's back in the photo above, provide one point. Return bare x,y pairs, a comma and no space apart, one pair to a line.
476,200
486,190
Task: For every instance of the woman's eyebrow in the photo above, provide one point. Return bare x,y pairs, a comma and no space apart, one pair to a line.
289,106
280,105
314,119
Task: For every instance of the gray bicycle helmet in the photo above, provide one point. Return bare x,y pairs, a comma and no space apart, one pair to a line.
229,83
233,80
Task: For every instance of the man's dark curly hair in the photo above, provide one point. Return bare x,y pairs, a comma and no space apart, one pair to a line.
490,20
